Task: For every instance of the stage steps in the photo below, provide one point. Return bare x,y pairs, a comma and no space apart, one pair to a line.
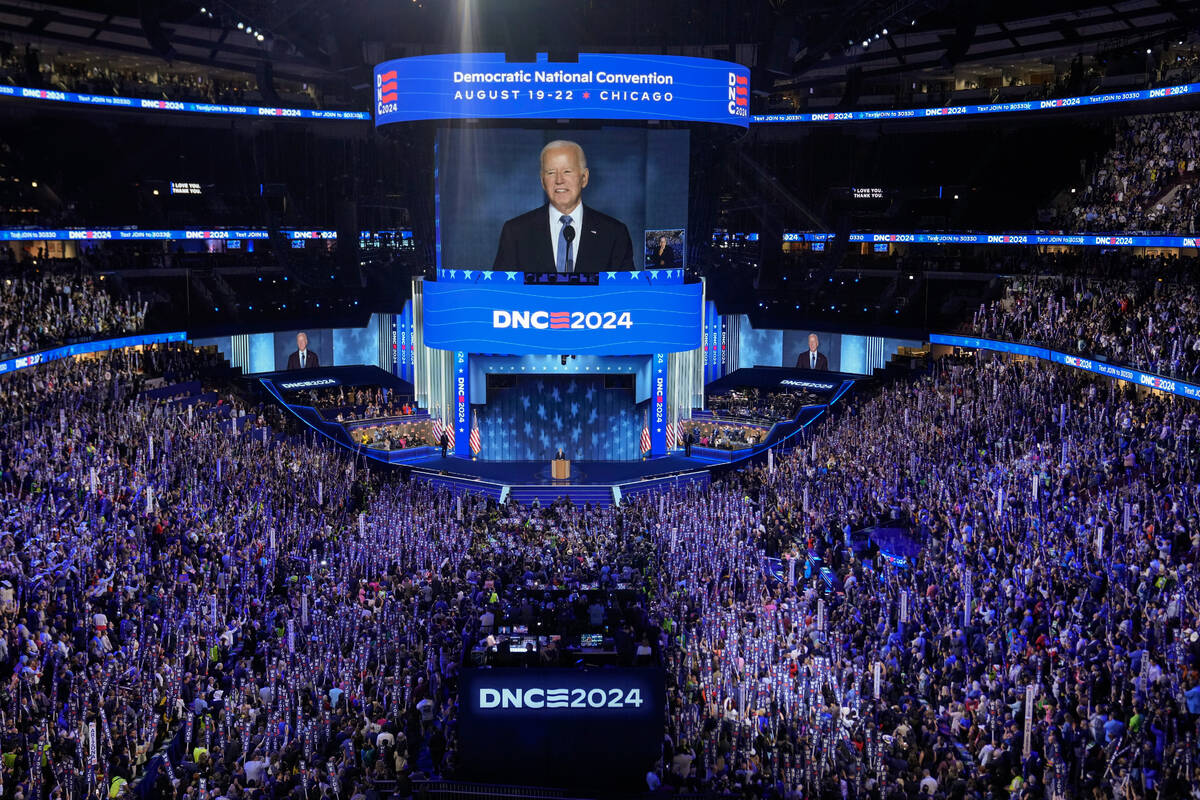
628,490
546,494
459,485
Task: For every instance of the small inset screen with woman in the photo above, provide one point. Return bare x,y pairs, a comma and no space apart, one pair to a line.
665,249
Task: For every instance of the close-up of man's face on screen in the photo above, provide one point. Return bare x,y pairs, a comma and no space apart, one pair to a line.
611,184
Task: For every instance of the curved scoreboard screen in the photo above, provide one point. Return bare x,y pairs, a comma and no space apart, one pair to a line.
607,86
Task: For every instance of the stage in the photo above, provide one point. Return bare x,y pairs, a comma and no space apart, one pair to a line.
600,482
583,473
597,481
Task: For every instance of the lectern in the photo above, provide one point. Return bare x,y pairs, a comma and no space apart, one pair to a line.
560,469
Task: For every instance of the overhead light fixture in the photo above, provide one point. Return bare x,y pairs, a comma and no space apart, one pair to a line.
866,43
259,36
203,10
885,31
241,26
33,184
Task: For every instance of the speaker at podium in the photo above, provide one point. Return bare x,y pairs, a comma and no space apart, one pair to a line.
560,466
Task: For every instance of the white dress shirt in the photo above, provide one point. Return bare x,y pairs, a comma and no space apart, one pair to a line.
576,215
303,357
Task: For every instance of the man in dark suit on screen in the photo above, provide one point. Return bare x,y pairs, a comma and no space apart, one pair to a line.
303,358
564,235
810,358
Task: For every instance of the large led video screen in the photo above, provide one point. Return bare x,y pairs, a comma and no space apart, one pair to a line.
303,348
620,316
765,347
495,187
325,347
806,348
594,728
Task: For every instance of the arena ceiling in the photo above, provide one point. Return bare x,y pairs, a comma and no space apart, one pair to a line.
792,42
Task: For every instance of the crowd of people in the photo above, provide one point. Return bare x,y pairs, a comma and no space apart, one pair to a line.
395,435
69,72
1062,523
724,435
1145,182
43,310
200,603
349,403
1146,324
223,602
752,403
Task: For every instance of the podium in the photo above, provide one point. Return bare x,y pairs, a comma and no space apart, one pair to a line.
560,469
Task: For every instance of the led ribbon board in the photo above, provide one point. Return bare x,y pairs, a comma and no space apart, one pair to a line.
971,110
628,313
387,91
183,234
1147,379
84,348
142,104
1078,239
1020,238
598,86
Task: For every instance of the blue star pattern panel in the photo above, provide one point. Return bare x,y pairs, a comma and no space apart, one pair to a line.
539,414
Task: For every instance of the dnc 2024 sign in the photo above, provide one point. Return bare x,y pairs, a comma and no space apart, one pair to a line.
592,728
498,315
598,86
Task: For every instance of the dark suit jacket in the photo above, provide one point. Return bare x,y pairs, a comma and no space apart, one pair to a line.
310,361
802,360
525,245
665,260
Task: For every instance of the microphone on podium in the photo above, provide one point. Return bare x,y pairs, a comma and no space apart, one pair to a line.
569,234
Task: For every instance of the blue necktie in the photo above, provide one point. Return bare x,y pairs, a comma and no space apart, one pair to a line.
564,262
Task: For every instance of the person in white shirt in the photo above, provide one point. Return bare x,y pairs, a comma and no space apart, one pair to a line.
928,784
254,770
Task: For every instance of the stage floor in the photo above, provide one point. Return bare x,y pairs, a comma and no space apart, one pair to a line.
530,473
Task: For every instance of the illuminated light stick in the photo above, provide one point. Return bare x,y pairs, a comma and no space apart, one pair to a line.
1027,744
